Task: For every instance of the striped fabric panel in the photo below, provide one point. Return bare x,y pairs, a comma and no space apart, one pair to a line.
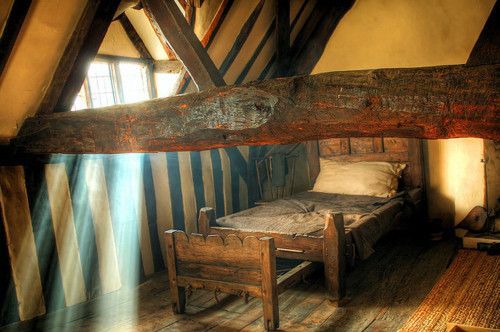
84,224
21,242
65,234
124,184
150,200
9,312
105,239
45,241
187,192
226,179
164,217
208,178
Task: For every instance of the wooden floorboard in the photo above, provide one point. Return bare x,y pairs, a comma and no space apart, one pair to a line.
383,291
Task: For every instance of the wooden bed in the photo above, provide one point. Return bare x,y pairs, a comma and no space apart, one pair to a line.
333,246
243,261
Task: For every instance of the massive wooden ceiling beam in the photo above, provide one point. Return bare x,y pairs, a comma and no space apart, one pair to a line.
435,102
173,29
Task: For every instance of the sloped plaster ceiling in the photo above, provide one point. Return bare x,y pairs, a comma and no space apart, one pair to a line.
40,44
144,29
392,33
117,43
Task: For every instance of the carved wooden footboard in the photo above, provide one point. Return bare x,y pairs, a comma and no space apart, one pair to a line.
228,264
328,249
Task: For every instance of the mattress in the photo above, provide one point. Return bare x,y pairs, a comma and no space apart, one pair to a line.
366,218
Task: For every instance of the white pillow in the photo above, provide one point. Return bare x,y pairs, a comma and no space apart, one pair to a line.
371,178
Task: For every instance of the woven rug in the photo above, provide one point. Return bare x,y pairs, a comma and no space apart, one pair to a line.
468,293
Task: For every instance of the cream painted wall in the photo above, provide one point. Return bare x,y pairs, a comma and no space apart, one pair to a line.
144,29
405,33
116,42
40,44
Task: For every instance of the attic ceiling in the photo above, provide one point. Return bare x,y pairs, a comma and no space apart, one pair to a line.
239,37
217,23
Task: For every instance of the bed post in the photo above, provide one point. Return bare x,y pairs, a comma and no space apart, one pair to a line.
177,294
206,218
269,284
334,256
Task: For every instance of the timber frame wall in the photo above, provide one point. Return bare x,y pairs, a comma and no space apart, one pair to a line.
55,195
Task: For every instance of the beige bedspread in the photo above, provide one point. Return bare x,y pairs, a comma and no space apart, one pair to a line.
366,218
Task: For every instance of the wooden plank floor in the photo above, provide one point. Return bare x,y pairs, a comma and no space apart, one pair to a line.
383,291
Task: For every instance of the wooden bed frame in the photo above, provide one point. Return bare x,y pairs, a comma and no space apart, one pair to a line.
244,267
330,248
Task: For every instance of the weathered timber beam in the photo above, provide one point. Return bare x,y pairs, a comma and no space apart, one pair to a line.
167,66
173,29
434,102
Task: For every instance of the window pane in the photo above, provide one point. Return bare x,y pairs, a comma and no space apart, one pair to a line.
134,82
100,84
80,100
166,84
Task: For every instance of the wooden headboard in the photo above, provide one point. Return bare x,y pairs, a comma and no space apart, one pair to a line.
406,150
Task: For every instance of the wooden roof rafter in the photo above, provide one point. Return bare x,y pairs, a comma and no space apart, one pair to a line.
208,37
173,30
283,28
15,20
311,40
80,51
134,37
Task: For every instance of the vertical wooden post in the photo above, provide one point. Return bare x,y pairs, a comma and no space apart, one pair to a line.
206,218
269,283
334,256
177,294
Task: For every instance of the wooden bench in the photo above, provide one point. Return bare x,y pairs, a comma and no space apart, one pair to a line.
231,265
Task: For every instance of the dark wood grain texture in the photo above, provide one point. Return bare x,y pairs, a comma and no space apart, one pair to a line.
8,37
173,29
80,51
177,293
269,284
282,22
487,48
233,265
434,102
334,257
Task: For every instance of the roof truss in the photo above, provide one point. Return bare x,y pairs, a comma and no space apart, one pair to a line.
80,51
